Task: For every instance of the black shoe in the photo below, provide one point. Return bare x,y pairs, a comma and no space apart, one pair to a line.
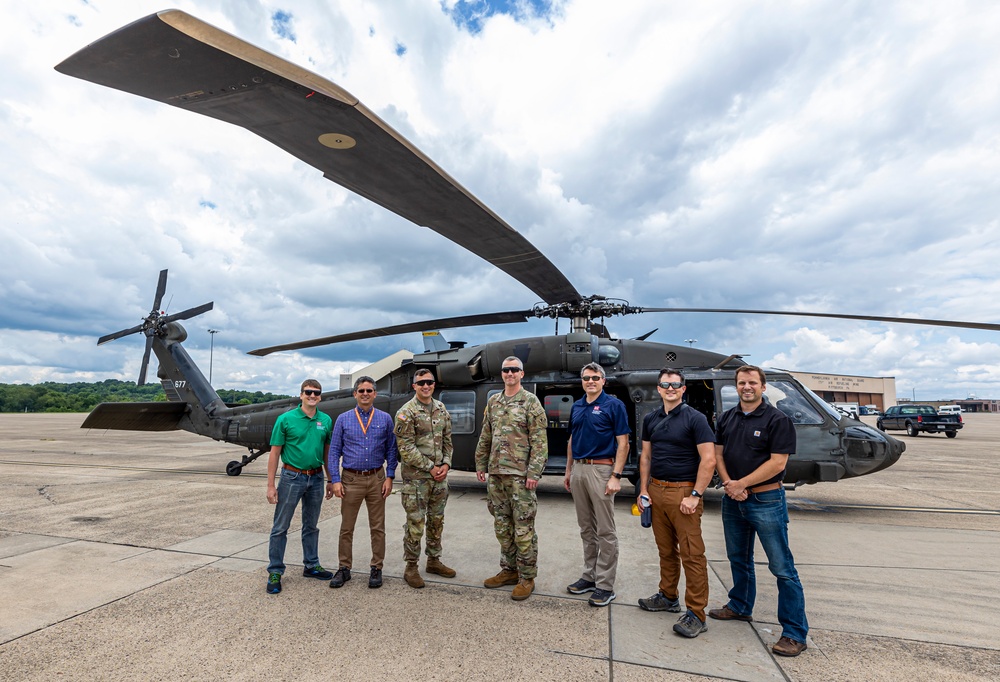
660,602
602,597
340,577
581,586
690,625
274,583
375,579
317,572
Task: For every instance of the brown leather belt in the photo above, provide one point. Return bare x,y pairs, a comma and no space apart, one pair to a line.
672,484
364,472
594,461
307,472
765,488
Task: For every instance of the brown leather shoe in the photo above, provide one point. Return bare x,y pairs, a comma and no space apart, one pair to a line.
788,647
412,576
523,590
726,613
502,578
435,566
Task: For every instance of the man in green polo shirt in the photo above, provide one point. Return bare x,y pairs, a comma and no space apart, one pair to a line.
300,438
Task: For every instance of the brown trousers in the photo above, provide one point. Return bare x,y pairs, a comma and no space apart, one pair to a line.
679,541
358,489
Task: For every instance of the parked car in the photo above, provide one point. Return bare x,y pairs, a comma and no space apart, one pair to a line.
950,409
920,418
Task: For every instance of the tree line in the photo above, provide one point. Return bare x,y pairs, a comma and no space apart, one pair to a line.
83,397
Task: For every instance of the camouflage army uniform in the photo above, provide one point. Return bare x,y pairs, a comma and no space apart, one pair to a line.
512,448
423,436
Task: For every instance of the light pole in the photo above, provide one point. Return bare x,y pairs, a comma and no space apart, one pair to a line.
914,389
691,342
211,353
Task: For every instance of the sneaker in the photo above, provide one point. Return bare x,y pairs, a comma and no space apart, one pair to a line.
690,625
660,602
317,572
342,575
602,597
274,583
375,578
581,586
726,613
787,646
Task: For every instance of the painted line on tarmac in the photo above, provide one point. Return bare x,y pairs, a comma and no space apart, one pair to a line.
809,505
121,467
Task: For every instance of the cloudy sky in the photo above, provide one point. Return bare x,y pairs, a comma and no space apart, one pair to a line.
830,156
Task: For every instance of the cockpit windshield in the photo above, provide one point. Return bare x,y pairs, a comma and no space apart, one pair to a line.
787,397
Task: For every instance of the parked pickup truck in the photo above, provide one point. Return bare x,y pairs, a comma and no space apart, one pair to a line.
917,418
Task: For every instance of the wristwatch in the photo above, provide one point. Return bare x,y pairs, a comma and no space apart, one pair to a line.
616,474
695,493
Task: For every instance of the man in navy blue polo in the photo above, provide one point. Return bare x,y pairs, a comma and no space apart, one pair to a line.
753,442
364,445
595,459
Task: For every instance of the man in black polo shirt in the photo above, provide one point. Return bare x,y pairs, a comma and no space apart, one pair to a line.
753,442
675,466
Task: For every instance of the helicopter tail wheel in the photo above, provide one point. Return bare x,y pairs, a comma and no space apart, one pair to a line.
951,434
234,468
912,431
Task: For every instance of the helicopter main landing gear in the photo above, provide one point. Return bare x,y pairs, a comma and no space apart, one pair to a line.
235,468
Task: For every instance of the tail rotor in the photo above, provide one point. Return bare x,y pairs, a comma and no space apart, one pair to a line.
154,324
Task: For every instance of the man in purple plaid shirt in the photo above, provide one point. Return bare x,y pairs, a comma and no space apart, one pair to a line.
363,442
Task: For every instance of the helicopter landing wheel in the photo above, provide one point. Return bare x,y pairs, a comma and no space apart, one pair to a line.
234,468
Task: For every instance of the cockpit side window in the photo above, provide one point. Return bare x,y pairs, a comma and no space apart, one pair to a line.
787,397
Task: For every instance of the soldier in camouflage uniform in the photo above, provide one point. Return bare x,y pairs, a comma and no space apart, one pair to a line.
512,449
423,437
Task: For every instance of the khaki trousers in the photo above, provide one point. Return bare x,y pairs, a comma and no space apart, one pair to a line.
595,514
358,489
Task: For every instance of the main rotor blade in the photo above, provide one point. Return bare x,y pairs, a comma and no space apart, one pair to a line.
145,362
176,59
873,318
444,323
117,335
190,312
161,288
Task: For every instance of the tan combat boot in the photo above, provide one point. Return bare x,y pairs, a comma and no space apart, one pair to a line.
434,565
412,576
524,588
502,578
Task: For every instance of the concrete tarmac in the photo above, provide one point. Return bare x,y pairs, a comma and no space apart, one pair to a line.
133,556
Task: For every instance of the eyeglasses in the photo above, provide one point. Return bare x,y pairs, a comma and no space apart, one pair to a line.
510,370
593,378
425,382
311,392
670,384
364,390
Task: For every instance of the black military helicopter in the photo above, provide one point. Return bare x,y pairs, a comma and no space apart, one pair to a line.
177,59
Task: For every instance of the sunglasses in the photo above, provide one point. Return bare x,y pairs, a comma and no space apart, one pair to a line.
593,378
424,382
510,370
364,390
670,384
312,392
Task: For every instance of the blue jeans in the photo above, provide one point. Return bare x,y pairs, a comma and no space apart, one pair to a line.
764,515
293,487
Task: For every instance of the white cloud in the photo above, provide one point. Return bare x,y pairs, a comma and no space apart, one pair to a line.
839,157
